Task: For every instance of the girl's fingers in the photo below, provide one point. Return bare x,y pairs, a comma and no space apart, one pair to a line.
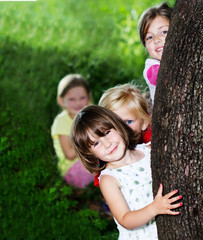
174,199
177,205
173,213
160,190
170,194
173,207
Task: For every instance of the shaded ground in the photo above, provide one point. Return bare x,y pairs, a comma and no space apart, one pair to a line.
91,198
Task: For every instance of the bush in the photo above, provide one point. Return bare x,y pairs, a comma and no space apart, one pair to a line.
35,202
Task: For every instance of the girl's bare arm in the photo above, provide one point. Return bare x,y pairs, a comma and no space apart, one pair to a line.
134,219
67,147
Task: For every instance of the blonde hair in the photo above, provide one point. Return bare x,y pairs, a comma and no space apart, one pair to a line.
72,81
128,93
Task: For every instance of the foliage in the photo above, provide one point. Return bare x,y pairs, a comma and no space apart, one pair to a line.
40,42
35,202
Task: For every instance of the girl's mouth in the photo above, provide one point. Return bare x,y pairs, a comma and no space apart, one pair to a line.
113,150
159,49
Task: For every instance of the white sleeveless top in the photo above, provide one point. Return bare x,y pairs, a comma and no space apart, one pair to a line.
136,185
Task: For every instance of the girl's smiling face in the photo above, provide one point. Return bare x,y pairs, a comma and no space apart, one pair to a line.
155,37
108,148
74,100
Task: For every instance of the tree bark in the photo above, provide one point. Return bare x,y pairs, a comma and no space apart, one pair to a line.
177,123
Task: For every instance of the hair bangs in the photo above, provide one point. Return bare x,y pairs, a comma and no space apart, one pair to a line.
91,125
99,128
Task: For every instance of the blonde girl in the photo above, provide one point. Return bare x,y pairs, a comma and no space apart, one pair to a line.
73,94
129,104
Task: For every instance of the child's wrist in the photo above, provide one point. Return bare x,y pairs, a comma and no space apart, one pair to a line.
153,211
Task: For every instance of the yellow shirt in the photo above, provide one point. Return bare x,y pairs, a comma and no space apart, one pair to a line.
62,126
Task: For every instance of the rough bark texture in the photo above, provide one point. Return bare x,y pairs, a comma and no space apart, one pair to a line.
177,124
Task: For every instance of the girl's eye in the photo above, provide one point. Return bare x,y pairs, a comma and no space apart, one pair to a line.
82,98
95,144
107,132
149,38
164,32
71,99
128,121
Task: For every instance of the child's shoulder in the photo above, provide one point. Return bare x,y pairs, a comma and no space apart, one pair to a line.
144,147
146,137
62,119
152,61
62,115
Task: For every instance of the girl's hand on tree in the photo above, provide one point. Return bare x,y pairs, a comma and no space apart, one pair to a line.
163,204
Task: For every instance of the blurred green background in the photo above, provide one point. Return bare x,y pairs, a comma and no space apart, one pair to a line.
41,42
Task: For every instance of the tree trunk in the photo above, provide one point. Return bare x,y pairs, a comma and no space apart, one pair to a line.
177,124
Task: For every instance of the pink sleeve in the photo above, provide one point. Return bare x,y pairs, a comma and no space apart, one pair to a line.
152,74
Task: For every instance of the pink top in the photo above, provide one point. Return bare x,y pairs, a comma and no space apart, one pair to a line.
150,75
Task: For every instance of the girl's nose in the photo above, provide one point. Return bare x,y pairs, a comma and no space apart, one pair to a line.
78,102
106,143
157,39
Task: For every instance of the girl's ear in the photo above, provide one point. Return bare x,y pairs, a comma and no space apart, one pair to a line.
60,101
145,125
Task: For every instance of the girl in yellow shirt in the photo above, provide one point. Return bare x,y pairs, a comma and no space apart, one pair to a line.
73,94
